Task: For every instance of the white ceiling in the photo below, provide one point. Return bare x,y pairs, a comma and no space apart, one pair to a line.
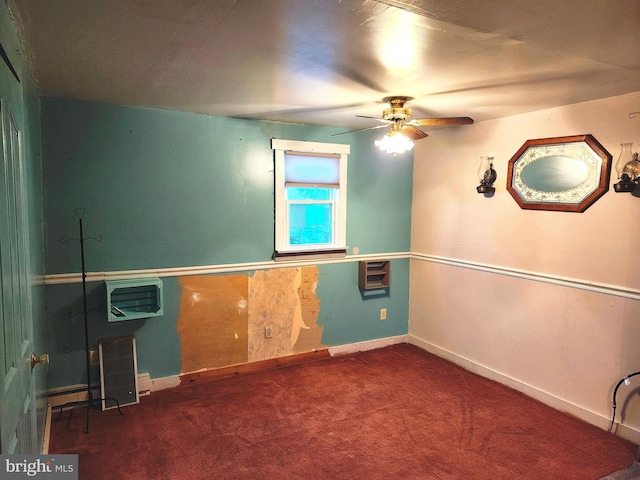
324,61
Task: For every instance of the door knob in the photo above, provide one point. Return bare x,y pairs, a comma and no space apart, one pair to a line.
44,358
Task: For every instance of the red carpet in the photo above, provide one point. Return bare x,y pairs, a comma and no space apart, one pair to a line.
393,413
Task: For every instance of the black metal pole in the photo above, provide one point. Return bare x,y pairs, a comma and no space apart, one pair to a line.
85,311
86,325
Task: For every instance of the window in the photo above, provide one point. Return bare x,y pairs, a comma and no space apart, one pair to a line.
311,198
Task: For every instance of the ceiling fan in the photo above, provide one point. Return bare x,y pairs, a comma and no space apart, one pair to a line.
403,130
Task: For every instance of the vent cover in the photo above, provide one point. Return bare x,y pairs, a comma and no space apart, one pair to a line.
118,372
133,299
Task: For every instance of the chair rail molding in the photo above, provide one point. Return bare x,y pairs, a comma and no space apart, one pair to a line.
606,289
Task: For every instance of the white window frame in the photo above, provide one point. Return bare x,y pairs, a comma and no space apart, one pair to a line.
339,245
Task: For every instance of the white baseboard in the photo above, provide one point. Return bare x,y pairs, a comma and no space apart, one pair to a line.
71,394
144,384
367,345
163,383
547,398
47,432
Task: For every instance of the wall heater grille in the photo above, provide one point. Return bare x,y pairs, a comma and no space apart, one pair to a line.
118,372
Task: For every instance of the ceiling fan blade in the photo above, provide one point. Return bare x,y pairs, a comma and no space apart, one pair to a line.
512,82
424,122
388,122
413,133
359,130
292,112
364,73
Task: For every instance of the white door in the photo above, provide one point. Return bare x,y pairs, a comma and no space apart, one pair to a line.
17,386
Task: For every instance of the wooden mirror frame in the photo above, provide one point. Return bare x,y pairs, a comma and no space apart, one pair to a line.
577,148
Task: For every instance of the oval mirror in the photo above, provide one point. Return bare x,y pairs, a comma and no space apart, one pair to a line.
563,174
555,174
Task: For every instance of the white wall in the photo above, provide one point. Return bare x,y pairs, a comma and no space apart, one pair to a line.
507,292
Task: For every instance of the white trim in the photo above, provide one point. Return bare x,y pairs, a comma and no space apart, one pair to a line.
312,147
279,195
47,432
367,345
64,278
144,384
616,290
71,394
547,398
163,383
341,220
339,201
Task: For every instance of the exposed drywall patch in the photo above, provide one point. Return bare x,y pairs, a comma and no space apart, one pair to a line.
272,302
213,321
285,300
310,337
222,319
298,322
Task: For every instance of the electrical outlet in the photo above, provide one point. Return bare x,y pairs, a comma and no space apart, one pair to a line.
94,358
267,331
383,314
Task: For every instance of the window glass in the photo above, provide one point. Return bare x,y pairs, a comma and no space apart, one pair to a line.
298,193
310,224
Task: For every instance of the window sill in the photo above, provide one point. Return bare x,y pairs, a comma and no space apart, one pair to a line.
309,254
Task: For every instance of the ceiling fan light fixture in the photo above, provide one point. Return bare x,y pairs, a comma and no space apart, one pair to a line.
394,142
404,132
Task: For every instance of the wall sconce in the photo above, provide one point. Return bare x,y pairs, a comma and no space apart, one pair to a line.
487,175
628,169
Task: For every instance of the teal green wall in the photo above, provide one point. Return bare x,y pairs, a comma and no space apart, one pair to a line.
345,315
350,315
173,189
